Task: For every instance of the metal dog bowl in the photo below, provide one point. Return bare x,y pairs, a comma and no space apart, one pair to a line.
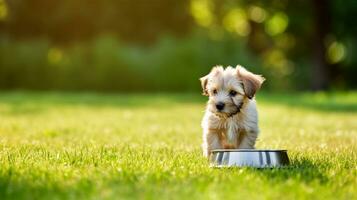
249,158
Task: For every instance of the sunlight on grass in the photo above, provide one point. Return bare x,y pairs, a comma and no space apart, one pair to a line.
148,146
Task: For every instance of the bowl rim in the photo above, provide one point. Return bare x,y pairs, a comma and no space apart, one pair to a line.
249,150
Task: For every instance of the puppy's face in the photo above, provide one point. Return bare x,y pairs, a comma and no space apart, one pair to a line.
227,88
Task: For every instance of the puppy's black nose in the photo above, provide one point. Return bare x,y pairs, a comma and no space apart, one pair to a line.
220,106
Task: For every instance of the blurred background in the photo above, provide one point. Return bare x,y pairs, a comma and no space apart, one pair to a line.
166,45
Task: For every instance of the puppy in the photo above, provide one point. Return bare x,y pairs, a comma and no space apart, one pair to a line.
231,118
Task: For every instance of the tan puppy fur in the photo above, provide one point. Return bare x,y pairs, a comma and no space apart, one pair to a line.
231,118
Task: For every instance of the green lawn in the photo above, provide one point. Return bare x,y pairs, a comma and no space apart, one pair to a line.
90,146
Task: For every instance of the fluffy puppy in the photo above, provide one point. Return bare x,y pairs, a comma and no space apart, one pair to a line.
231,118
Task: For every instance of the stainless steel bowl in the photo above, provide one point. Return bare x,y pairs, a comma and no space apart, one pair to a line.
249,158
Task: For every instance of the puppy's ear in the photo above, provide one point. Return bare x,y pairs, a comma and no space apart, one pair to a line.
217,70
251,82
204,81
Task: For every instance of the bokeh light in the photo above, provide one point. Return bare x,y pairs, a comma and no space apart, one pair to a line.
277,24
257,14
202,12
236,21
336,52
54,55
3,10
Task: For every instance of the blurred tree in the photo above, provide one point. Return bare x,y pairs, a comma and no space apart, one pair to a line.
296,44
321,69
299,41
72,20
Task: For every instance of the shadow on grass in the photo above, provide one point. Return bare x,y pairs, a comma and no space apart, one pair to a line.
328,102
301,170
98,99
29,190
19,103
34,102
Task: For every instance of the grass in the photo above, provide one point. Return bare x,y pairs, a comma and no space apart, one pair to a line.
92,146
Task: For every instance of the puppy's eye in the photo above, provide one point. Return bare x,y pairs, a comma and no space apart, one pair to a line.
232,93
214,91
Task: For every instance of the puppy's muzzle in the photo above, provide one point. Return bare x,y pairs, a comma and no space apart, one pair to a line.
220,106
